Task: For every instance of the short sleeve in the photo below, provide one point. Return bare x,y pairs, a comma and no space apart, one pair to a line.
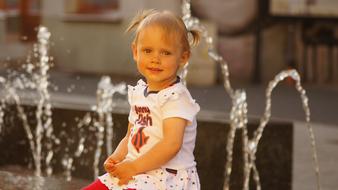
180,105
132,114
133,93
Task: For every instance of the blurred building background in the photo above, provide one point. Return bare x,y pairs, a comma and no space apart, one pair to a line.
257,38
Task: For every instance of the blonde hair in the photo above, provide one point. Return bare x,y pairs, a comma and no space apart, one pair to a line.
168,21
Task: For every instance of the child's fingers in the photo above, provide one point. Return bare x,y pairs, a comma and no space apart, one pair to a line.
109,167
111,175
124,181
110,161
114,172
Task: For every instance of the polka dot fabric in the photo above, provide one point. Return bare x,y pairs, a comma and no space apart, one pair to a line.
160,179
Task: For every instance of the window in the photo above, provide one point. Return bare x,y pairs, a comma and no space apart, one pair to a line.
305,8
91,10
90,6
21,18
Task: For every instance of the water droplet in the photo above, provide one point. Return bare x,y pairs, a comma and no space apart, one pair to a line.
24,38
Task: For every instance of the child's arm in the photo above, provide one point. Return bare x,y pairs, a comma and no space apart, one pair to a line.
161,153
119,153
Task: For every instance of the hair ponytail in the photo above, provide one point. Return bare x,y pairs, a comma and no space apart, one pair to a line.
194,37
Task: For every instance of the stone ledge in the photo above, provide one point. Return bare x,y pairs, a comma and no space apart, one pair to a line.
274,156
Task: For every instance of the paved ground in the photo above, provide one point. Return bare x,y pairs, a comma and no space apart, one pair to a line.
286,105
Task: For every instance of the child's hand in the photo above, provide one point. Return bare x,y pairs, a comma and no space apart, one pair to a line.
109,164
124,171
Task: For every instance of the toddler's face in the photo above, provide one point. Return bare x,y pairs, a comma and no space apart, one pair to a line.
158,56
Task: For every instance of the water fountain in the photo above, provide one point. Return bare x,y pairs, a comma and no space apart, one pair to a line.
34,86
38,80
100,120
238,113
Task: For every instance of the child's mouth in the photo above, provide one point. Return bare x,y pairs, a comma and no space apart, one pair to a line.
155,69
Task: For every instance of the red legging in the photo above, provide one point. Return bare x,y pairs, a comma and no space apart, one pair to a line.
96,185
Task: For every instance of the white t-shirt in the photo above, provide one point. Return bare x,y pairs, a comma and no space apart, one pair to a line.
148,110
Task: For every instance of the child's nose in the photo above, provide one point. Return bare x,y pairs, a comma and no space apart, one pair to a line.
155,58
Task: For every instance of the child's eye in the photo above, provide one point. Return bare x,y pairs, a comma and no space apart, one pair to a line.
147,50
166,53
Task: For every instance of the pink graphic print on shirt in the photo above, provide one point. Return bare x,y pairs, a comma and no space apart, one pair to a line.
139,139
144,119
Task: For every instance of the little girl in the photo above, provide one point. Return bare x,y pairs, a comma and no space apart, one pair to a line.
157,151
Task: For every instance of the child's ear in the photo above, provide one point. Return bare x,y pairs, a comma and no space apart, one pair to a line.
134,50
185,57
